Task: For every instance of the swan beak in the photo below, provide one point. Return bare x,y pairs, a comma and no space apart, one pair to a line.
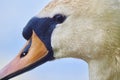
22,63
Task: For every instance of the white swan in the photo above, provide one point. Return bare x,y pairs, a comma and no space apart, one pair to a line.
85,29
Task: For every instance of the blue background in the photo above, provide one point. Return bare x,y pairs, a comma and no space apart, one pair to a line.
14,14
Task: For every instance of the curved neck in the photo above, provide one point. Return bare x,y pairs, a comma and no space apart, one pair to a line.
105,68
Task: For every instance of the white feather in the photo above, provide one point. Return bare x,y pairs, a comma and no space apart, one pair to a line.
90,32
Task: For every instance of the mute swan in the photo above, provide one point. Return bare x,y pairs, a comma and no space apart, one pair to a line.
85,29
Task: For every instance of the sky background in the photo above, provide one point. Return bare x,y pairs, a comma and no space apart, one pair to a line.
14,15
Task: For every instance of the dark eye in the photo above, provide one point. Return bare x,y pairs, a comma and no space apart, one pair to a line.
59,18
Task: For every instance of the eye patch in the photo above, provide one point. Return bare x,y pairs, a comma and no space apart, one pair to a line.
43,27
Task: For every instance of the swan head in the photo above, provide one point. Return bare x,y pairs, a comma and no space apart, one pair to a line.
91,28
86,29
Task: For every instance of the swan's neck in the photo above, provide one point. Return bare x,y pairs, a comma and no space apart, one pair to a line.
105,68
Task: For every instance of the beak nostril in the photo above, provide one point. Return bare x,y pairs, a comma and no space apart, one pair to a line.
23,54
26,50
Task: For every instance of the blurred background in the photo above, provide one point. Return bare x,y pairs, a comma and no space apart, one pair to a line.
14,14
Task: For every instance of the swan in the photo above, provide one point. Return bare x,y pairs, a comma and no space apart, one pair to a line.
83,29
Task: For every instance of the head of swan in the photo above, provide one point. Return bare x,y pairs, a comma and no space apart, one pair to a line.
91,30
85,29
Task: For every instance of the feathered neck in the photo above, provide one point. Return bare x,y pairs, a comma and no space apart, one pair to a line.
105,68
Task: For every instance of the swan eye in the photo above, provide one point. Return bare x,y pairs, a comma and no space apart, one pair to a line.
59,18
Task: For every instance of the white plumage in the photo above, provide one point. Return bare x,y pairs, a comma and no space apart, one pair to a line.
91,32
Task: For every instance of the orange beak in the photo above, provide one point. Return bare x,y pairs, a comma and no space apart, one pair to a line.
18,65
